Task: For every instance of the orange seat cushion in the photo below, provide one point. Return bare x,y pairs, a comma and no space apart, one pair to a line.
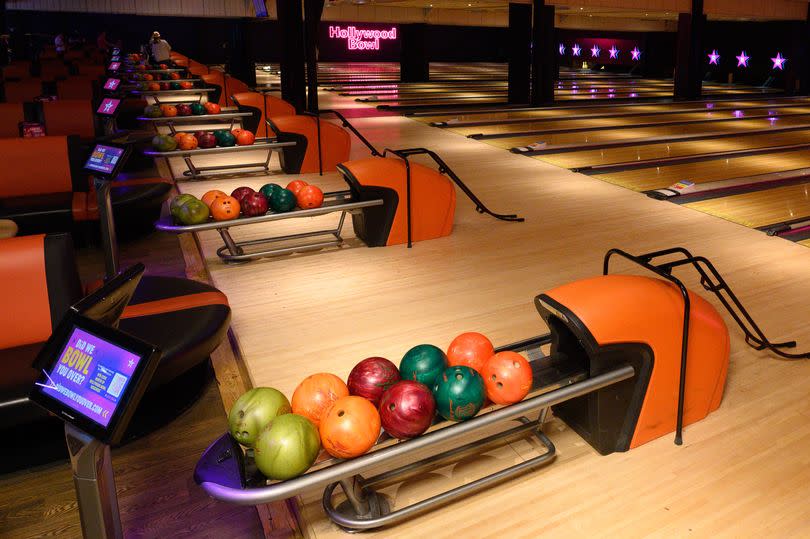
35,166
11,114
69,117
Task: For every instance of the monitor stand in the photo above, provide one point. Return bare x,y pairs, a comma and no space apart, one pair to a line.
109,242
95,485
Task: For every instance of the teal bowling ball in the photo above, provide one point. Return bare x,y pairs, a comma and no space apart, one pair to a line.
227,140
282,201
269,189
459,393
218,134
422,363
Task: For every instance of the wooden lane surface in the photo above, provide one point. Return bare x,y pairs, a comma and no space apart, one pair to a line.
610,108
760,208
636,134
628,121
643,152
703,172
806,242
743,471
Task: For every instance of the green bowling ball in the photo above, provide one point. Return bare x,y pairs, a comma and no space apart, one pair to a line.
287,447
283,201
152,111
175,85
197,109
219,133
269,189
193,212
459,393
178,202
422,363
227,140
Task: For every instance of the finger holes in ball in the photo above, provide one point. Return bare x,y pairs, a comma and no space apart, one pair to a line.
340,413
392,407
459,376
494,377
499,385
515,364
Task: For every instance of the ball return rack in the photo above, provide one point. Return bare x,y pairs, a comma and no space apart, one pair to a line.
157,95
233,117
227,474
195,172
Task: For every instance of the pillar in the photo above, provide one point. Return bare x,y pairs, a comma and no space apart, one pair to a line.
293,80
520,38
544,54
689,60
414,64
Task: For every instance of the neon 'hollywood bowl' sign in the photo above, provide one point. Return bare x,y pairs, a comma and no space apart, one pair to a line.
361,39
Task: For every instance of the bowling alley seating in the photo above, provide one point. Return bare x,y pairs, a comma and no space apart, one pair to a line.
50,70
22,91
305,157
43,189
78,87
196,68
69,117
216,80
262,107
186,319
235,86
433,201
11,114
17,70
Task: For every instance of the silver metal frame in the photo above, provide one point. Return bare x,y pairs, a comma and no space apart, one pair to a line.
195,172
233,251
171,120
157,94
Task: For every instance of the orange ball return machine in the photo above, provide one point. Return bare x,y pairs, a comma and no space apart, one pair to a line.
632,358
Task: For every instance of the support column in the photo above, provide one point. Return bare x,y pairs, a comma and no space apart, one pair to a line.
293,81
242,59
689,61
544,54
414,64
312,21
520,37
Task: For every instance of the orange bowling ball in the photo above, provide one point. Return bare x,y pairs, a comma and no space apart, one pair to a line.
224,208
296,186
154,87
174,75
148,76
507,377
168,110
350,428
245,138
187,142
212,195
315,395
309,196
471,349
212,108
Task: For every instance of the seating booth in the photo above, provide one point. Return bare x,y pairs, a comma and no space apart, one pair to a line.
306,156
69,117
216,80
78,87
11,114
186,319
263,107
17,70
22,91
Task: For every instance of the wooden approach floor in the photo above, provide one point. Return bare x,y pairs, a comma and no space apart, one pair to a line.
741,472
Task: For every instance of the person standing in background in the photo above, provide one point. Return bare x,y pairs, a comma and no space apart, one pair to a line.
159,49
102,43
60,44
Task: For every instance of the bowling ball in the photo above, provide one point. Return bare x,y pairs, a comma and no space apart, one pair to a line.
407,409
174,85
459,392
183,109
188,142
148,76
282,201
209,196
309,197
253,204
296,186
315,395
470,349
197,109
218,134
164,143
168,110
350,427
163,66
164,85
224,208
227,140
245,138
193,212
240,192
422,363
174,76
236,130
371,377
507,377
254,411
206,140
269,189
212,108
177,203
154,87
287,448
140,67
152,111
186,85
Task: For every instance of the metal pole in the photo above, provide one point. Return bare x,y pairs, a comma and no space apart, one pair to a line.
106,219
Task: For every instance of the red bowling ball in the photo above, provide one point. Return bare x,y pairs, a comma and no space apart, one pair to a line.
206,140
407,409
371,377
253,204
241,192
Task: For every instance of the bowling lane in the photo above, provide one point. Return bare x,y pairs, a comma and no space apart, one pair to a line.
629,121
555,112
760,208
715,170
645,152
741,125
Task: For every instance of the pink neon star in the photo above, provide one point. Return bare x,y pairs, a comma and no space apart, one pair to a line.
614,52
562,49
714,58
742,60
636,53
576,49
779,61
595,50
